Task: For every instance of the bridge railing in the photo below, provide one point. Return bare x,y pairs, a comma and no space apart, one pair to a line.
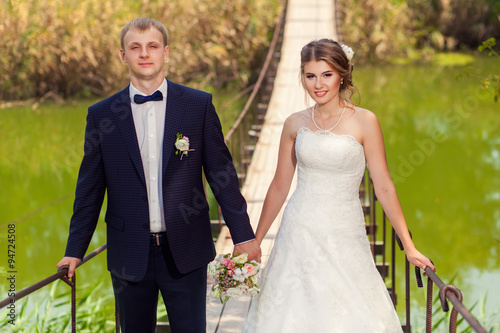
446,292
61,273
242,137
388,270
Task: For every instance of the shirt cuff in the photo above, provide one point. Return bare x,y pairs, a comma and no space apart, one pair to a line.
245,242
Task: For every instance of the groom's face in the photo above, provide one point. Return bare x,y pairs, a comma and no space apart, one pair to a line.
144,53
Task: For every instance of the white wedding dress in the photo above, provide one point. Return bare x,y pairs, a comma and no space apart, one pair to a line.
320,276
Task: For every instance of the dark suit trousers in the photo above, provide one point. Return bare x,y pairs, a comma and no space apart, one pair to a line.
184,296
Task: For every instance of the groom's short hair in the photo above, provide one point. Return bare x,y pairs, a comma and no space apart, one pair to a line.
143,24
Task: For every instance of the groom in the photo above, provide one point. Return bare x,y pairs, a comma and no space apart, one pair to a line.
147,146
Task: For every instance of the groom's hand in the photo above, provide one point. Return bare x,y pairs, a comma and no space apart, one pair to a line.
251,247
71,262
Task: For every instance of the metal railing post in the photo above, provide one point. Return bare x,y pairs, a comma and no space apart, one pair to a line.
240,150
451,293
61,274
72,284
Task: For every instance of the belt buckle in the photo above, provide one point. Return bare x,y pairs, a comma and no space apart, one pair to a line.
157,239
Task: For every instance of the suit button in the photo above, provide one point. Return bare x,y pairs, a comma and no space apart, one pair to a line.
145,226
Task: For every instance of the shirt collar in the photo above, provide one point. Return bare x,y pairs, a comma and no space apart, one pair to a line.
134,91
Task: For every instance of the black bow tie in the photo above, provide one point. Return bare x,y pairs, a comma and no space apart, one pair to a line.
140,99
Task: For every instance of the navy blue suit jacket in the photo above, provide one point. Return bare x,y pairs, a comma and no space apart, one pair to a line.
112,163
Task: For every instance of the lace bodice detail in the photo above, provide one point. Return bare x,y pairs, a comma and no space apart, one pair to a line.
329,164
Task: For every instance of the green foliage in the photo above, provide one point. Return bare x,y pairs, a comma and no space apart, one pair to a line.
415,29
375,29
489,44
72,47
493,80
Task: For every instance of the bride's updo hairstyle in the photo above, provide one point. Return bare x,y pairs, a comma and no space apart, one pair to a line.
331,52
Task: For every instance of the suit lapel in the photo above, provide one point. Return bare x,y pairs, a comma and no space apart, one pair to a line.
122,110
173,120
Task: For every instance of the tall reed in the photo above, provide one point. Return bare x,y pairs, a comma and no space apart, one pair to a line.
72,47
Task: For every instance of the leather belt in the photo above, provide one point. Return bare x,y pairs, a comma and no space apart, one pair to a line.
157,238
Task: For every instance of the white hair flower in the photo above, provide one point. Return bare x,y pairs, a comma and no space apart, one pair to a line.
348,52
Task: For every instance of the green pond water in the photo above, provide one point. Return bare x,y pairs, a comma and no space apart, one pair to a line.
442,137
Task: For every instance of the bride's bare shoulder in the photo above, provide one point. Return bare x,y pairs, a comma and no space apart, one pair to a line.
297,120
365,117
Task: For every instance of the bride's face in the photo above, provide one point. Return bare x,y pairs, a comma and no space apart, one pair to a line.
322,82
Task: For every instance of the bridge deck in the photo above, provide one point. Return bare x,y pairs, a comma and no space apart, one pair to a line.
306,20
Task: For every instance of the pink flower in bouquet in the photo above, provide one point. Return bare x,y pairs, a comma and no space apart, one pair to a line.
233,276
251,269
228,263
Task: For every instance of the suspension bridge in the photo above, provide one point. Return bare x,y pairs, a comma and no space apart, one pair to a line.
254,140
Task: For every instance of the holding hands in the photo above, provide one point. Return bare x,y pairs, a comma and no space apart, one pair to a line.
251,247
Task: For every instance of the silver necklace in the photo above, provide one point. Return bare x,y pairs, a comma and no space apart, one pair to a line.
331,129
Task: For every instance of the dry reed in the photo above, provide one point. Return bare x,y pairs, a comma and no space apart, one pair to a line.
72,47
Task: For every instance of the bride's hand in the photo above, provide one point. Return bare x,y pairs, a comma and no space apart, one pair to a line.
418,259
251,247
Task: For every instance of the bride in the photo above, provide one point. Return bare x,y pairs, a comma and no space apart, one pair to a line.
320,276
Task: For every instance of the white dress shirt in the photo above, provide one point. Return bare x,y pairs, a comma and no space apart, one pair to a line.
149,121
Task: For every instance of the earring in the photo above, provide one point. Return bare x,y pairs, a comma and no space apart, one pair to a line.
342,82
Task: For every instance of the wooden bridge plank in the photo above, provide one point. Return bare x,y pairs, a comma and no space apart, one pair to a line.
234,315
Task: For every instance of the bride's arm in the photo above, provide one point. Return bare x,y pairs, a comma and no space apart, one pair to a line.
280,185
385,191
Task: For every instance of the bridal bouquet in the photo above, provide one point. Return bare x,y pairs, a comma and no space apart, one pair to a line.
234,276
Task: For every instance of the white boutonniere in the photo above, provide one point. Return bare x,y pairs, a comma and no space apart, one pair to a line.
182,145
348,51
